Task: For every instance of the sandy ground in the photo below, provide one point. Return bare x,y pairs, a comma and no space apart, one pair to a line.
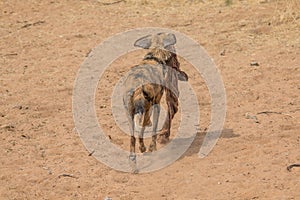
43,44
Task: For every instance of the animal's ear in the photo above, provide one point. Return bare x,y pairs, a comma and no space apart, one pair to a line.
182,76
170,39
144,42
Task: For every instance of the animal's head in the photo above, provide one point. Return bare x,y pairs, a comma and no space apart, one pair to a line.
161,46
160,40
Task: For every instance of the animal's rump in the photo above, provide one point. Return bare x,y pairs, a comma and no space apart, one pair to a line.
142,75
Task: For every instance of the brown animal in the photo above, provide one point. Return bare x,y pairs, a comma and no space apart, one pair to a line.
172,93
162,50
144,87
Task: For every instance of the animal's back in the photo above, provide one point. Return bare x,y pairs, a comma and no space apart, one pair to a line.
143,74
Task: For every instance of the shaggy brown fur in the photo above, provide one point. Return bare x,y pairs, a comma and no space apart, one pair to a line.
172,94
144,87
143,90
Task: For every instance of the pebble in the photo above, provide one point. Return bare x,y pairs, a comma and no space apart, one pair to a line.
253,63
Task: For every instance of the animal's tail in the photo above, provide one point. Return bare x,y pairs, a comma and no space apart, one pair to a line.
140,118
137,121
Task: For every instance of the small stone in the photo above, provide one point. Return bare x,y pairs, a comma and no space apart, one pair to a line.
254,63
25,136
251,116
223,53
9,127
18,107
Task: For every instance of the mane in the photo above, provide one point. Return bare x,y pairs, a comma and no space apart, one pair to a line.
173,62
164,56
159,54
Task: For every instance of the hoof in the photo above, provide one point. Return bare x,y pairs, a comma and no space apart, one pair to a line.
132,163
152,147
132,157
142,149
163,137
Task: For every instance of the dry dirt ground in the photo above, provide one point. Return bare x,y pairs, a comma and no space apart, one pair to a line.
43,44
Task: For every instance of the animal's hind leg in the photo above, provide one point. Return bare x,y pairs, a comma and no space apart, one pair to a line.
141,140
132,146
156,111
132,155
132,138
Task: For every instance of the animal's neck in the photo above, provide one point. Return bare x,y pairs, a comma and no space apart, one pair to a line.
159,55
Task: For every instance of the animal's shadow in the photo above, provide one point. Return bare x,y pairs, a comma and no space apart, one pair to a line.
198,140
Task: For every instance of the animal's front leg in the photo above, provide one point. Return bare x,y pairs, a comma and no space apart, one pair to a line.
172,103
156,111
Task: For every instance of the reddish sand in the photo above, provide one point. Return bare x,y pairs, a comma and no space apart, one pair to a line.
43,44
